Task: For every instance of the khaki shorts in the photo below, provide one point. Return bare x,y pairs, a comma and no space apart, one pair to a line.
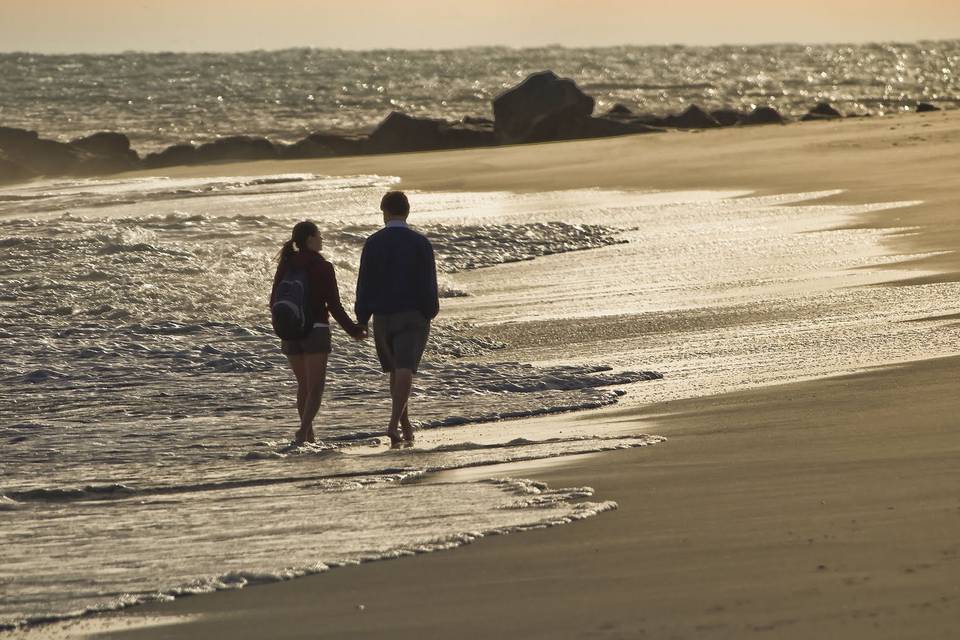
317,341
400,339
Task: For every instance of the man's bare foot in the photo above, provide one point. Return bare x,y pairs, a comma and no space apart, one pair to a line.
299,437
394,436
408,433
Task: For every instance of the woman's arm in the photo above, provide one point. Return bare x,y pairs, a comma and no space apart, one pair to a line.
276,281
331,295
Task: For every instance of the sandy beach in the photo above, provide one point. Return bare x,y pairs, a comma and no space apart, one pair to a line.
811,510
825,508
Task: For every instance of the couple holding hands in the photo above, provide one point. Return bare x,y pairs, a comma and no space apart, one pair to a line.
396,286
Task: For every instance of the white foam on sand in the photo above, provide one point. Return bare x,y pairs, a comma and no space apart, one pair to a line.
270,529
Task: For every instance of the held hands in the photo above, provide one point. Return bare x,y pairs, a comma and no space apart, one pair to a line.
362,334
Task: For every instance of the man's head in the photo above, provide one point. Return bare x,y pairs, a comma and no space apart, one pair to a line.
395,206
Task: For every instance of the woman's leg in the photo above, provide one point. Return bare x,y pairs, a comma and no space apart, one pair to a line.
315,377
298,366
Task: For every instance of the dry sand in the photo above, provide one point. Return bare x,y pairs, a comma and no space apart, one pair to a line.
822,509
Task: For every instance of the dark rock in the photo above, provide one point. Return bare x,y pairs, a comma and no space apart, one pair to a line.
477,132
926,107
561,126
41,156
541,103
178,154
106,143
51,158
619,109
306,148
111,153
100,153
728,117
649,119
477,120
236,148
399,132
693,118
11,171
763,115
12,137
823,111
341,144
603,127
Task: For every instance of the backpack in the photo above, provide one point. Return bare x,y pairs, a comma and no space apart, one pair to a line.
290,311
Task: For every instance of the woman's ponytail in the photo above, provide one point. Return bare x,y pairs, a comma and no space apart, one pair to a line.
286,252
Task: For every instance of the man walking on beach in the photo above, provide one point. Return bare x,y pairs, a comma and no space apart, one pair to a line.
397,285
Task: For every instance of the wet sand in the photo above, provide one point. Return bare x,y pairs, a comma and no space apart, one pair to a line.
826,508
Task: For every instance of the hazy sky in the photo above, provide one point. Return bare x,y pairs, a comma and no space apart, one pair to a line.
228,25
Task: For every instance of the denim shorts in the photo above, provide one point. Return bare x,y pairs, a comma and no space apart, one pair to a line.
317,341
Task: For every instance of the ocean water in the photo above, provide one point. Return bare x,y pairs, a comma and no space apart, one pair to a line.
165,98
145,411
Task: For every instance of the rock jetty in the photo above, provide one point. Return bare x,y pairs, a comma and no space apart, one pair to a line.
542,108
24,153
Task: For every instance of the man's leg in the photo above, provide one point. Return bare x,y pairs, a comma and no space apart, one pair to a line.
384,344
409,346
405,416
392,431
401,381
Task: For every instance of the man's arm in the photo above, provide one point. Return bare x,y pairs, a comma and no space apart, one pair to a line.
431,303
362,305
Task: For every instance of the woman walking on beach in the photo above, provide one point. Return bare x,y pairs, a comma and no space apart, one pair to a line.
303,297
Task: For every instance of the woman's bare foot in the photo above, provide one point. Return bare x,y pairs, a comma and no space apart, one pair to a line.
394,436
408,433
299,437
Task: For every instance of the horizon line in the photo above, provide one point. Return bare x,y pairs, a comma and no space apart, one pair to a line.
668,45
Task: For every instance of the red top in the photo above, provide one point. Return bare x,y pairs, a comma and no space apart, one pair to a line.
324,294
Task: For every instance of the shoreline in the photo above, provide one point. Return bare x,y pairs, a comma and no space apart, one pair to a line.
704,434
869,160
844,569
803,540
542,108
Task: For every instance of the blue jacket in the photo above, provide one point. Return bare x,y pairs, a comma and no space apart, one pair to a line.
397,273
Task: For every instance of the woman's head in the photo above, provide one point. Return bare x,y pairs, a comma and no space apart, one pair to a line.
305,236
